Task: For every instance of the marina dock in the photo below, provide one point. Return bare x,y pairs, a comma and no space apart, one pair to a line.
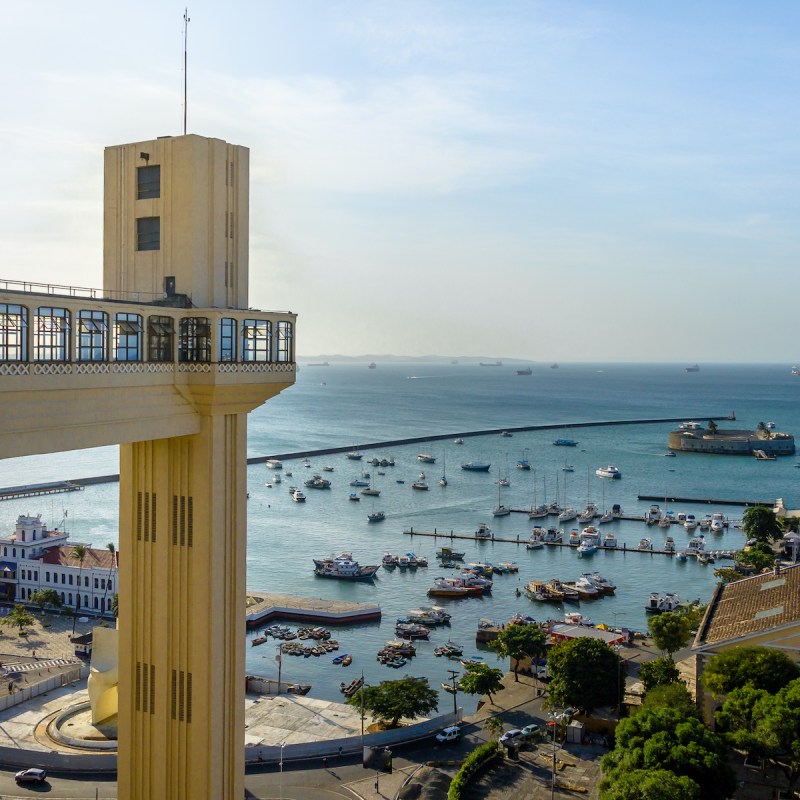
623,548
707,500
263,606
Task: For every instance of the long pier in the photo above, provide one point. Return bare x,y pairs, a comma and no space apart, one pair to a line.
39,489
707,501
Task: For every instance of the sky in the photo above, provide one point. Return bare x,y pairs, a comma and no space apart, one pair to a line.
568,181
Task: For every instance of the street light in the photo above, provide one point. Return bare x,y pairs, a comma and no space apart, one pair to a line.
554,722
453,674
283,744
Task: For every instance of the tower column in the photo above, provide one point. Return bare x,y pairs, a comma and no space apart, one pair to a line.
181,614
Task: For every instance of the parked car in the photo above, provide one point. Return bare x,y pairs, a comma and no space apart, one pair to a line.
31,775
531,732
565,716
512,738
449,734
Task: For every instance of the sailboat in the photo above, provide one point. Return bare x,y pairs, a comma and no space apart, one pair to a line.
606,516
523,462
537,511
443,479
590,512
370,490
501,510
568,514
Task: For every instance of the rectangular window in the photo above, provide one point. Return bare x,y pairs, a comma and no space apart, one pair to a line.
47,577
63,578
127,337
284,344
148,182
148,233
96,584
51,334
194,342
13,332
92,332
227,339
160,335
70,581
257,340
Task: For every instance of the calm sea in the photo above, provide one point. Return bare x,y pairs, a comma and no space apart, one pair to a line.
346,405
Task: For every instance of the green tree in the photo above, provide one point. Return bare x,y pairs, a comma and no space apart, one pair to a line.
756,557
640,784
712,427
115,605
760,522
758,667
694,612
46,597
520,641
18,618
659,672
586,673
763,430
79,553
767,725
482,679
494,726
391,700
670,631
667,739
671,695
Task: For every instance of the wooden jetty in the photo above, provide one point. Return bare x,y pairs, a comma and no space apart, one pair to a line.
38,489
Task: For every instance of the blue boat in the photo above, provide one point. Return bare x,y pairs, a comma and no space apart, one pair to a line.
565,443
339,659
475,466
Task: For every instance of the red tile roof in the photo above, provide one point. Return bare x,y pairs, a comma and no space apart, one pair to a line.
63,557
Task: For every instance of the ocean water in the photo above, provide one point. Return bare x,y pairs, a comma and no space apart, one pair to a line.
349,405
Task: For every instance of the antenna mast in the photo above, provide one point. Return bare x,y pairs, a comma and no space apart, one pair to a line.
186,21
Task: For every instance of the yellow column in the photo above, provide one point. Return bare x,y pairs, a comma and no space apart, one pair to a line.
181,614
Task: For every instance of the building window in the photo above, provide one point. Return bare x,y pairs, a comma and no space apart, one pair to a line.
51,334
70,581
47,577
96,583
63,599
14,552
70,596
63,578
257,340
194,341
13,332
227,339
86,581
160,333
148,233
284,343
5,551
95,603
110,585
36,574
92,336
127,337
148,182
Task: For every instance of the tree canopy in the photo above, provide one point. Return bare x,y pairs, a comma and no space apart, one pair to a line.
659,672
482,679
391,700
586,673
520,641
756,557
46,597
758,667
667,739
760,522
671,631
767,725
671,695
18,618
641,784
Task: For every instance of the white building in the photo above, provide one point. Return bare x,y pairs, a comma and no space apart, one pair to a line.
36,558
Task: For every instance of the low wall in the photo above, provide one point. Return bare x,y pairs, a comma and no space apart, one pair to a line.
22,694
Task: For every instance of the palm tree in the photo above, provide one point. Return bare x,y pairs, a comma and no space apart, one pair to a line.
113,550
763,430
79,552
712,427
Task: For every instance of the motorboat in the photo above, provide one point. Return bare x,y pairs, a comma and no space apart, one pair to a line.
416,561
565,443
317,482
690,523
354,455
421,476
426,458
274,463
585,588
359,482
420,485
443,587
574,538
327,468
669,544
298,496
608,472
483,532
645,544
587,547
389,561
377,516
344,567
506,434
705,523
604,584
653,515
568,593
448,554
696,545
535,542
716,526
539,590
354,497
660,603
576,618
458,440
609,540
553,535
475,466
526,371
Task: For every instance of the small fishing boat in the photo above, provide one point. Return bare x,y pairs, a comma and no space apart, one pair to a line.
340,659
354,497
645,544
475,466
426,458
347,661
376,516
420,486
483,532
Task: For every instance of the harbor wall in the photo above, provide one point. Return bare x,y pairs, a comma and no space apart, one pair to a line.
734,443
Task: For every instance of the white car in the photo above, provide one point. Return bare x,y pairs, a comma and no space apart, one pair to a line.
31,775
512,738
449,734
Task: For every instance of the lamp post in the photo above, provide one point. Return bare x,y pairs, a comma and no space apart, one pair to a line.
453,674
555,722
283,744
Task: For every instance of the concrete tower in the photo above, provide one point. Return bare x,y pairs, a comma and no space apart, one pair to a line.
167,365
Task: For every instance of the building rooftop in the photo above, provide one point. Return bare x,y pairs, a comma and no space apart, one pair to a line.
63,557
751,605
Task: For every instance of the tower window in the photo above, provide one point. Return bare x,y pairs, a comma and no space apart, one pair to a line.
148,233
257,340
160,333
92,330
227,339
148,182
13,332
51,334
194,342
127,337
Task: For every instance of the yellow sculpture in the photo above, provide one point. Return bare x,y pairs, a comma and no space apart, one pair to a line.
104,675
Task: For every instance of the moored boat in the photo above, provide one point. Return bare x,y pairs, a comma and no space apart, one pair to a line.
376,516
475,466
344,567
608,472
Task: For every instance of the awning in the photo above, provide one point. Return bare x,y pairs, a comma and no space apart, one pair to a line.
8,565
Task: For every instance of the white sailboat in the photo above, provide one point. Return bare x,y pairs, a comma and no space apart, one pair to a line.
443,479
568,514
501,510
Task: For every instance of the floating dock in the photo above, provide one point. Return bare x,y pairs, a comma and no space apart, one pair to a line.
263,606
38,489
